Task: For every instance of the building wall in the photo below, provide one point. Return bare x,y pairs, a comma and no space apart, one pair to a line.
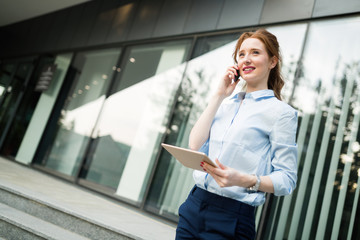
102,22
317,59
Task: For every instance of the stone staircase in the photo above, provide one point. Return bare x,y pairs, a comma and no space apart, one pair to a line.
25,217
34,205
15,224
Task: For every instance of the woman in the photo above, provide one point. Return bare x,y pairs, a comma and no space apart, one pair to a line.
251,136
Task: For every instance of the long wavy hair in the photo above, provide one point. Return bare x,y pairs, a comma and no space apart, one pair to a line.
275,81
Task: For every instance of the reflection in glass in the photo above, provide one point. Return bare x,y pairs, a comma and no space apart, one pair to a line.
12,92
81,109
35,114
291,40
24,112
6,71
134,118
126,128
328,99
172,181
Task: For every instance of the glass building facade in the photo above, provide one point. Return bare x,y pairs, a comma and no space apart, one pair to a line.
102,119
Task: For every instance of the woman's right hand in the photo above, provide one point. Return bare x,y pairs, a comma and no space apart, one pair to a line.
201,130
227,84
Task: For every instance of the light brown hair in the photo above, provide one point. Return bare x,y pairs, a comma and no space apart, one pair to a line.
275,81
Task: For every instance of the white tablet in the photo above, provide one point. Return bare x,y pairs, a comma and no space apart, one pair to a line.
187,157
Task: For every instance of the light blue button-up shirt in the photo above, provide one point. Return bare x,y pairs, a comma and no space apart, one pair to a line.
256,136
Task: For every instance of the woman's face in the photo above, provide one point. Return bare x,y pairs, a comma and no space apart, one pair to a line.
255,64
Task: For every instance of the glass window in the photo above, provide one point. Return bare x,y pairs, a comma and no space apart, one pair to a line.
13,91
291,40
212,55
172,181
6,70
24,112
11,88
326,92
95,70
41,112
134,118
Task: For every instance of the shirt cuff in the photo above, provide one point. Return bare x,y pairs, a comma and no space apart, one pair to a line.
283,184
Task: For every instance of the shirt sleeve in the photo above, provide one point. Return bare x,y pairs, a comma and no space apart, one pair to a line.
284,154
205,147
198,176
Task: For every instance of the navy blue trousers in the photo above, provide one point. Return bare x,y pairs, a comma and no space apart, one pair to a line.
205,215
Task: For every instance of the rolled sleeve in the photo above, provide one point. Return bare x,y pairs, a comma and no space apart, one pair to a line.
284,154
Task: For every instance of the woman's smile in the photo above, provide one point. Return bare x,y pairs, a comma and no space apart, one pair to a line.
248,69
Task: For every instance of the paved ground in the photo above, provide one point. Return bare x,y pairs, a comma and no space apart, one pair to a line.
83,202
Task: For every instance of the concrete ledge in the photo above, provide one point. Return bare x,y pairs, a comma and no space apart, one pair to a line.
47,197
19,225
58,216
12,232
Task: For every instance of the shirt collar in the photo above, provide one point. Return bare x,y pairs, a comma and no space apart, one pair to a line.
266,93
238,95
254,95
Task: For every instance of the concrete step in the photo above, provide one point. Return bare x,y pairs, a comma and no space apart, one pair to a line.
15,224
49,213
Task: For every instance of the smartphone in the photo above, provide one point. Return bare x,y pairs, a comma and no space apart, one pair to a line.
236,77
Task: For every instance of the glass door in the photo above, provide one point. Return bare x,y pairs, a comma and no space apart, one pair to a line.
25,109
134,119
94,71
14,78
6,74
172,181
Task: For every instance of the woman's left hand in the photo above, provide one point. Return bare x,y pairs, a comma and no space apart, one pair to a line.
227,177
